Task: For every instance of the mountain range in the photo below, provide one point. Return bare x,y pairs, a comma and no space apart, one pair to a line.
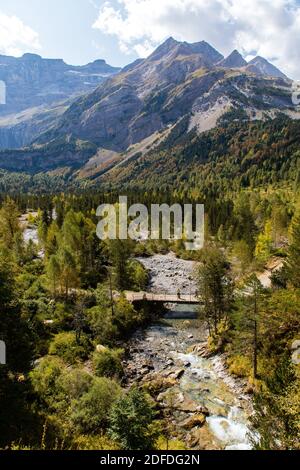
131,112
38,90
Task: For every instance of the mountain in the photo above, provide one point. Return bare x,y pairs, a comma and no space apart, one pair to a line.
267,69
37,86
171,49
33,81
134,111
234,60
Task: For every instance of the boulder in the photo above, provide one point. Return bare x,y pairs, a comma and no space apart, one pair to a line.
100,348
197,420
177,374
160,384
296,345
203,439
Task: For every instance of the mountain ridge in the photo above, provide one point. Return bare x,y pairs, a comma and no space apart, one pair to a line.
150,96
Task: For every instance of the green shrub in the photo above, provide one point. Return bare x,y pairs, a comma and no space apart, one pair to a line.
44,379
68,348
100,321
75,382
240,366
126,319
163,443
138,275
108,363
131,422
89,414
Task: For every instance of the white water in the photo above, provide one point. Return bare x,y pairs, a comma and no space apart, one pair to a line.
231,430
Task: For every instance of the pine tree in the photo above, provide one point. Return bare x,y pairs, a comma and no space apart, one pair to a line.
53,273
9,224
131,422
215,287
68,271
294,253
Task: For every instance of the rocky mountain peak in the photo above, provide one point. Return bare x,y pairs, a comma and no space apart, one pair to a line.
163,49
172,49
234,60
266,68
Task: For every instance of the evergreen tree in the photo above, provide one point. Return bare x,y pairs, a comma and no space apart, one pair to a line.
10,229
294,253
215,287
131,422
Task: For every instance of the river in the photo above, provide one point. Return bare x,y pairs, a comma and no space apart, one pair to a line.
201,403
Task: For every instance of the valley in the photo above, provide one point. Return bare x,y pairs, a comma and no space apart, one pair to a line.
120,344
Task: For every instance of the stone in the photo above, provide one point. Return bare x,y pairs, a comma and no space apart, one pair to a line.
188,406
159,384
197,420
296,345
177,374
100,348
203,439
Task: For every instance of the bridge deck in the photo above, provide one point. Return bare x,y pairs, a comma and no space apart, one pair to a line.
161,298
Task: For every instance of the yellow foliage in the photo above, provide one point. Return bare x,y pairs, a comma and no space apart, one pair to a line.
240,366
100,442
173,444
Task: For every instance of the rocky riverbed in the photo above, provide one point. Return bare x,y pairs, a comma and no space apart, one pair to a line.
169,274
201,403
30,232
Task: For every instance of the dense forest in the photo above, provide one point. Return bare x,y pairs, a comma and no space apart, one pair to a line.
66,322
233,156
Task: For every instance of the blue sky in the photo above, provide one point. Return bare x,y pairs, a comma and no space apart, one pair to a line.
65,30
119,31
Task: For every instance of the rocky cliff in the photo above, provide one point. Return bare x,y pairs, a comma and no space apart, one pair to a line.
36,88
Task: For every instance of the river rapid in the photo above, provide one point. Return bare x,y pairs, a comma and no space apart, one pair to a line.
201,403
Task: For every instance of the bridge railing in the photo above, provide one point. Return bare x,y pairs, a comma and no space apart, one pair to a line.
161,297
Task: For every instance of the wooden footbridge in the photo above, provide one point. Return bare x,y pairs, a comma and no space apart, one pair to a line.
162,298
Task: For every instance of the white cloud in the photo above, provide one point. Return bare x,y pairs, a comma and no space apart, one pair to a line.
270,28
15,37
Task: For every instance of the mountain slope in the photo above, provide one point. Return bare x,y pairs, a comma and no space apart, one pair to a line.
266,68
233,156
158,91
149,97
36,88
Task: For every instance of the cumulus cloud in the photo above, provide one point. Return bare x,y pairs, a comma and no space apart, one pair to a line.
16,37
270,28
